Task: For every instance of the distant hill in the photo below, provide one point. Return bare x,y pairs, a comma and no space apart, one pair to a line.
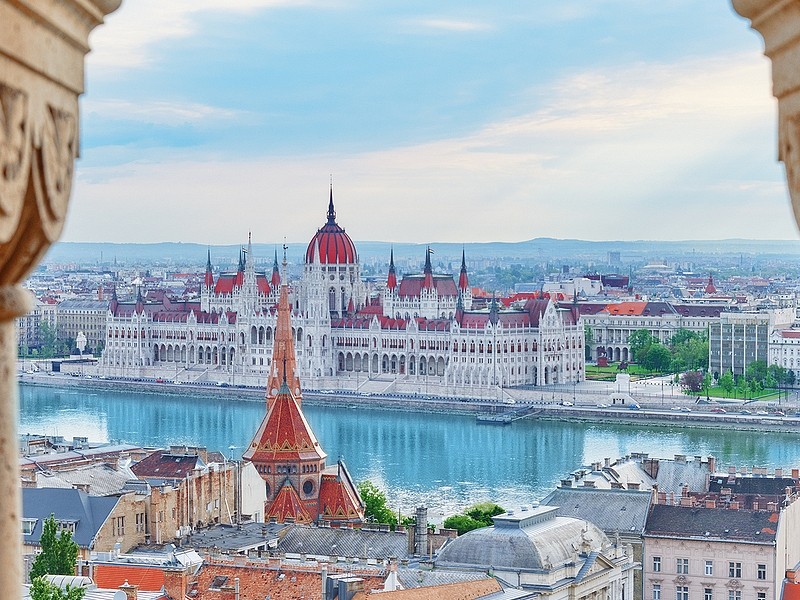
177,253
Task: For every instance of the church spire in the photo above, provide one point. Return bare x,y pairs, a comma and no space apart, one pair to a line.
428,272
391,280
275,282
208,280
331,210
284,362
463,279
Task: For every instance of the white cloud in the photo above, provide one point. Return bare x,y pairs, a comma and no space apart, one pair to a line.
127,38
626,153
445,24
161,113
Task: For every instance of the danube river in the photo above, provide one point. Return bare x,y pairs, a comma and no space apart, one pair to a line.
444,461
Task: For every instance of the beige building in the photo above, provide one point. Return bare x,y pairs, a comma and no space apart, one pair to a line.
713,548
87,316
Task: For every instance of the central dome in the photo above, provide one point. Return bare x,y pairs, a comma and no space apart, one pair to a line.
335,246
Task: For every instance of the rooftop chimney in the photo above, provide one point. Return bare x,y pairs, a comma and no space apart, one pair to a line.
131,591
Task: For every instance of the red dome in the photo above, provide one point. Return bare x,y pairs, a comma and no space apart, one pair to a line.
335,246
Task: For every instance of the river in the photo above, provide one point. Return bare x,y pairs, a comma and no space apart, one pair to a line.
444,461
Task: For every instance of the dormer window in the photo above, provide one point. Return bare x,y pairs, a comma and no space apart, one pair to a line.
28,525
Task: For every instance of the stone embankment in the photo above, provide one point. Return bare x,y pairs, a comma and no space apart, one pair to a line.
699,416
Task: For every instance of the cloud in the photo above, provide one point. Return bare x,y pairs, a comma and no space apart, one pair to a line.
452,25
160,113
127,39
642,151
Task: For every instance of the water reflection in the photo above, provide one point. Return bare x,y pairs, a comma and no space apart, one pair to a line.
445,461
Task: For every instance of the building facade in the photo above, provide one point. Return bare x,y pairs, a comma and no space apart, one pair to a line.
738,339
420,330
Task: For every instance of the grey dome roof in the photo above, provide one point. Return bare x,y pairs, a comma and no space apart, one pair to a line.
533,539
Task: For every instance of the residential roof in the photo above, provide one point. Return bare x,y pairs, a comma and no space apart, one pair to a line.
100,479
237,538
165,465
88,513
463,590
610,510
338,497
712,523
147,578
362,543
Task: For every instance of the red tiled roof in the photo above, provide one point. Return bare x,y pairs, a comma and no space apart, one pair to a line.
279,583
287,504
148,579
263,284
284,434
163,465
411,285
626,308
790,333
338,500
226,283
790,591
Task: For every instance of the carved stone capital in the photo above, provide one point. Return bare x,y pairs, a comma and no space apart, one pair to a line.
778,21
42,50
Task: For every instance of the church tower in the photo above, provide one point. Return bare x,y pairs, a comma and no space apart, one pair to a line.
286,453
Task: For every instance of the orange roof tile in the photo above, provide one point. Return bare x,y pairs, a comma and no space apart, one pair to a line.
338,501
465,590
284,434
287,504
284,362
626,308
791,591
148,579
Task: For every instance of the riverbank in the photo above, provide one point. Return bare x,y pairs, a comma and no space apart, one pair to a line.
697,417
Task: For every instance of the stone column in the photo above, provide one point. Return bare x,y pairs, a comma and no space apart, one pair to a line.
778,21
42,49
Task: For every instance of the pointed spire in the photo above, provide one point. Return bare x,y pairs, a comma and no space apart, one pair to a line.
331,210
284,362
428,271
463,279
391,280
275,281
208,280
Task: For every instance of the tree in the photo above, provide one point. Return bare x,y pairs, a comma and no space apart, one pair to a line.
656,358
41,589
375,507
726,382
692,381
59,553
639,341
756,371
476,516
47,335
462,523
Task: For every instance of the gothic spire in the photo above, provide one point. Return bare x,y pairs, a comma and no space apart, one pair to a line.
331,210
463,279
428,271
284,362
391,280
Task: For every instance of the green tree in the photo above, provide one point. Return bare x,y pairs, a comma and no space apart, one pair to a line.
477,515
462,523
639,341
59,553
657,357
484,511
756,371
375,506
726,382
41,589
48,337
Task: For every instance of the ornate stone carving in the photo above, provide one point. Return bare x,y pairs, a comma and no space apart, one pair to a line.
14,157
789,154
59,151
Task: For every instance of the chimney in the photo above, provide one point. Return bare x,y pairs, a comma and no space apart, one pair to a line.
589,483
778,472
712,464
795,473
175,583
772,507
566,483
324,575
131,591
734,505
607,462
684,491
711,503
634,485
421,531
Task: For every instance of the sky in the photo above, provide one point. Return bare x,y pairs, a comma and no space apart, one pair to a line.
449,121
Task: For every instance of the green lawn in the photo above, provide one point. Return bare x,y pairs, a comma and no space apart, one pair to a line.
718,392
609,373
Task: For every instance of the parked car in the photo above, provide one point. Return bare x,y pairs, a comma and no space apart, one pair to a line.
718,410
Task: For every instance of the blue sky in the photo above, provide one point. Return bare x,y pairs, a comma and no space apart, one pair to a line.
447,121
